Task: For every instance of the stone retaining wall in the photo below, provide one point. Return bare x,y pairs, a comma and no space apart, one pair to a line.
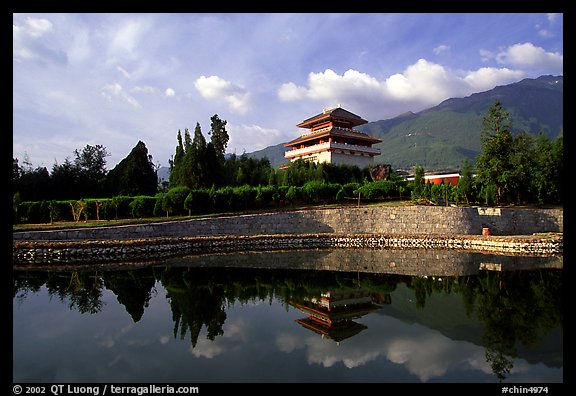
400,220
106,251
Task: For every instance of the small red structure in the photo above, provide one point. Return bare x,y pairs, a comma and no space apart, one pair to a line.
440,178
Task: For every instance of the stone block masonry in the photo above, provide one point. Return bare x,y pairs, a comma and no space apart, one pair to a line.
400,220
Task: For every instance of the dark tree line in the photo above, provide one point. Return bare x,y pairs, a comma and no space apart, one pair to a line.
86,176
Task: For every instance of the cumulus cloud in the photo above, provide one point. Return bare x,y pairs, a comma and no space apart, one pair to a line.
487,78
169,92
419,85
424,80
528,55
329,85
214,87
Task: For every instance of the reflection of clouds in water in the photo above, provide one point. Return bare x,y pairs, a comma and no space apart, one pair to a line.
524,372
423,352
107,340
431,355
236,330
287,342
235,333
206,348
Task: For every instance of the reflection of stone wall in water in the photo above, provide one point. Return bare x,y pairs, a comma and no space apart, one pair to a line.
415,262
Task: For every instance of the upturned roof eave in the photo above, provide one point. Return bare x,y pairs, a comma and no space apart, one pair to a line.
333,132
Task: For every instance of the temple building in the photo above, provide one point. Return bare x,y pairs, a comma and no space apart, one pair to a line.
332,139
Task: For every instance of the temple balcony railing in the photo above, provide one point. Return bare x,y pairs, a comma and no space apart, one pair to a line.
332,146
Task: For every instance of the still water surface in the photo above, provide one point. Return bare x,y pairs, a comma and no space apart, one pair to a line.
193,323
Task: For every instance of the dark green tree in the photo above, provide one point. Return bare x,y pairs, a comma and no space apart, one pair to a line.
195,160
91,165
465,184
175,179
419,190
218,136
494,164
134,175
65,180
547,176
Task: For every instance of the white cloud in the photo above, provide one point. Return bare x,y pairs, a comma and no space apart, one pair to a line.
441,48
545,33
552,17
37,27
424,80
328,86
487,78
124,41
419,85
290,91
170,92
528,55
214,87
28,42
123,71
115,90
251,137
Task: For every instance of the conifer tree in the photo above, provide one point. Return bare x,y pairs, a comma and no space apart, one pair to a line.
135,174
219,136
175,179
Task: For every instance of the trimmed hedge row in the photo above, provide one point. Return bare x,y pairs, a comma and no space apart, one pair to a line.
185,201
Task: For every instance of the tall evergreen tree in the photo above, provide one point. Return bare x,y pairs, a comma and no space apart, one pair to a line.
195,160
135,174
219,136
175,179
494,163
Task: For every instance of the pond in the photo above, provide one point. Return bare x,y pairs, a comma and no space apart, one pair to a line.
320,316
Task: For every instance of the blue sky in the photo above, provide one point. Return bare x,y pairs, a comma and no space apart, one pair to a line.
116,78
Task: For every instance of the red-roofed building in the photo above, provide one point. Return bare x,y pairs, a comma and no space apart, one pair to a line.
332,139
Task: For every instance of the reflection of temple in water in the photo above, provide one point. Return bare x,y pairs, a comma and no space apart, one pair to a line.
332,314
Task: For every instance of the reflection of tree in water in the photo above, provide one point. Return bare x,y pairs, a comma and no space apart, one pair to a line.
25,282
516,307
194,302
425,286
83,290
133,289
